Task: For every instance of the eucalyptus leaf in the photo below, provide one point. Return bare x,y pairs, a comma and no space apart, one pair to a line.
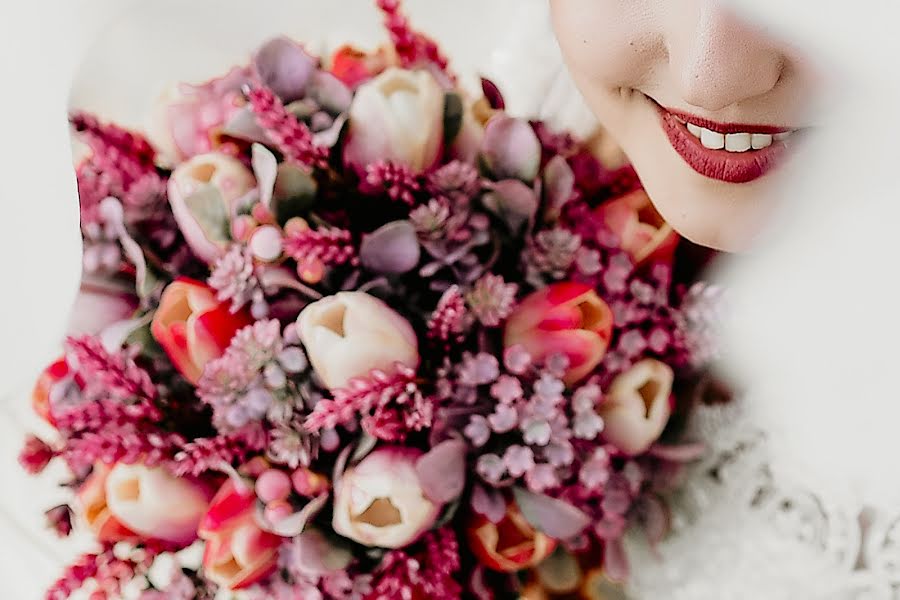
207,206
294,193
265,167
243,125
442,471
559,185
285,67
560,520
454,113
114,215
513,202
392,249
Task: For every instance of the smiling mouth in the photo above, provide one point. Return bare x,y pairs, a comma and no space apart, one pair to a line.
729,152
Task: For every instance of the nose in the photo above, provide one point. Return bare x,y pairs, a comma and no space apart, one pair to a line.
722,60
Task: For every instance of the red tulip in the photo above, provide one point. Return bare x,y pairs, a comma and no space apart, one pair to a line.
193,327
355,67
641,230
510,545
238,552
565,318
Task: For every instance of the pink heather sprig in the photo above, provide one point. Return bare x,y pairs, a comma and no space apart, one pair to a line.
396,180
109,572
292,137
428,573
326,246
126,153
378,393
127,444
211,454
95,415
116,373
413,48
447,322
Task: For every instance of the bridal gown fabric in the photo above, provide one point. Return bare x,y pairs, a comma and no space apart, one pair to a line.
796,497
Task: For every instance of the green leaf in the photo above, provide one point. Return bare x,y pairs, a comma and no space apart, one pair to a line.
207,206
295,192
454,112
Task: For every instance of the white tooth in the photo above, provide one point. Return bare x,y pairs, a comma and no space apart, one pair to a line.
780,137
694,129
758,141
712,139
737,142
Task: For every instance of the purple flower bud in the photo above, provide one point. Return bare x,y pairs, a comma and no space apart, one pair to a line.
285,67
511,149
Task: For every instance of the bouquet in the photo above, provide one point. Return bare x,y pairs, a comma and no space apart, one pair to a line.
350,332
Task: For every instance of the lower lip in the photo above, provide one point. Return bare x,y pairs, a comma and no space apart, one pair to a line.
730,167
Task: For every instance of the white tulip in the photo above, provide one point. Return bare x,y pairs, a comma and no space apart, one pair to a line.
397,117
638,406
351,333
154,503
203,192
380,502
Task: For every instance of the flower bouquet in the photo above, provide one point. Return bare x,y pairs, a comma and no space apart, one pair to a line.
355,333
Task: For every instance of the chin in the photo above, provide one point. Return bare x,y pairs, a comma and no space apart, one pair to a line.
726,215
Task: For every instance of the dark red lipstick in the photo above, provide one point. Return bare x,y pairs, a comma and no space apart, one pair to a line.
743,165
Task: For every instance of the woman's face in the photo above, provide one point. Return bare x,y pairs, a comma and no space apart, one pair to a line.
705,105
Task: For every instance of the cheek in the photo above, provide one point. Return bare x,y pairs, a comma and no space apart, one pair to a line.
609,44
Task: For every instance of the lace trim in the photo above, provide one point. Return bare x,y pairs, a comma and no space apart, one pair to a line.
743,529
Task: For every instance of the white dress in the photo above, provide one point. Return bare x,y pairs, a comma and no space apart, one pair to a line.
798,496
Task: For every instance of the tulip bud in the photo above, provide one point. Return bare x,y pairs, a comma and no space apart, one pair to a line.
193,327
238,552
352,333
564,318
380,502
397,117
156,504
203,192
510,545
641,230
511,148
637,406
94,510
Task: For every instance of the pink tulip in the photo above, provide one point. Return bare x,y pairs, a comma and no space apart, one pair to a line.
193,327
203,193
155,504
637,406
238,552
188,120
641,230
565,318
380,502
95,510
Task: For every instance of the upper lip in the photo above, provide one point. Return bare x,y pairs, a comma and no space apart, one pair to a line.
725,127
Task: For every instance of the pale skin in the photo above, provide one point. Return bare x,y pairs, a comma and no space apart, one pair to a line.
629,58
